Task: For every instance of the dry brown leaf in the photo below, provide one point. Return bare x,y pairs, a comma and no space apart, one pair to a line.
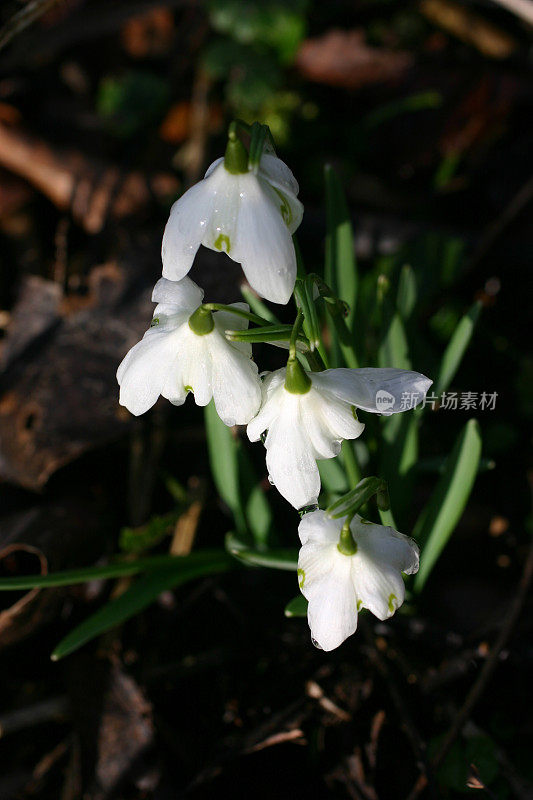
342,58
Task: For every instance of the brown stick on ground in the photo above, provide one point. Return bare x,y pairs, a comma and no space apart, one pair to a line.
89,191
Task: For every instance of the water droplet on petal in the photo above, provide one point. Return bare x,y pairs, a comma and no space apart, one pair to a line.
271,481
315,643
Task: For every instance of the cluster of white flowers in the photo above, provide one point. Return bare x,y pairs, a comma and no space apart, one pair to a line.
249,209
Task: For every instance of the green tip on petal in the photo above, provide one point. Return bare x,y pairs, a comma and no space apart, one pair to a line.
301,578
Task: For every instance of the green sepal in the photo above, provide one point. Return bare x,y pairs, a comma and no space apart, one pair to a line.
297,381
235,157
347,544
201,322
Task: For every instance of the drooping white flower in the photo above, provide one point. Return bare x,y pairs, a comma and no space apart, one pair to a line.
337,586
302,428
250,216
172,360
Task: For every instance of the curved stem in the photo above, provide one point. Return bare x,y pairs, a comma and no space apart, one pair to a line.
294,335
239,312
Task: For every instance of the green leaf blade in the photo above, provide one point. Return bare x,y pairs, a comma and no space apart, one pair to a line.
448,501
297,607
224,462
276,558
138,597
453,355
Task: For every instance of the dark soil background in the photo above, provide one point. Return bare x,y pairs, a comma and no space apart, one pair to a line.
108,110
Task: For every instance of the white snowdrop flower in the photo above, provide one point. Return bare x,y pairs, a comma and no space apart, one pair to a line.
309,421
185,350
338,584
248,214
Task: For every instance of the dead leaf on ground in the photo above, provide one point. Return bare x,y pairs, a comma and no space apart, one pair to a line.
342,58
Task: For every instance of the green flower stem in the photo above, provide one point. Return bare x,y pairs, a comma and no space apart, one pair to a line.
298,322
239,312
347,545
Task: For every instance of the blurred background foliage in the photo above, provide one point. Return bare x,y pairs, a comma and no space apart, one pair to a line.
108,111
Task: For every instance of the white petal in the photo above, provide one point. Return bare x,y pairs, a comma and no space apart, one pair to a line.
264,246
323,444
195,365
220,233
382,555
386,546
335,416
376,390
184,294
211,168
328,586
236,384
290,208
290,460
318,528
226,321
186,227
271,397
144,370
275,170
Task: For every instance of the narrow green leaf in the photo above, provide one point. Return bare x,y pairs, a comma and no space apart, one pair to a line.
453,355
297,607
405,105
407,292
300,266
447,503
333,476
399,456
281,558
340,271
223,459
394,348
138,597
117,569
341,268
257,509
437,464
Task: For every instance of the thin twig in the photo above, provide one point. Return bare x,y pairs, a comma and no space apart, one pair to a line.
20,21
485,674
411,731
